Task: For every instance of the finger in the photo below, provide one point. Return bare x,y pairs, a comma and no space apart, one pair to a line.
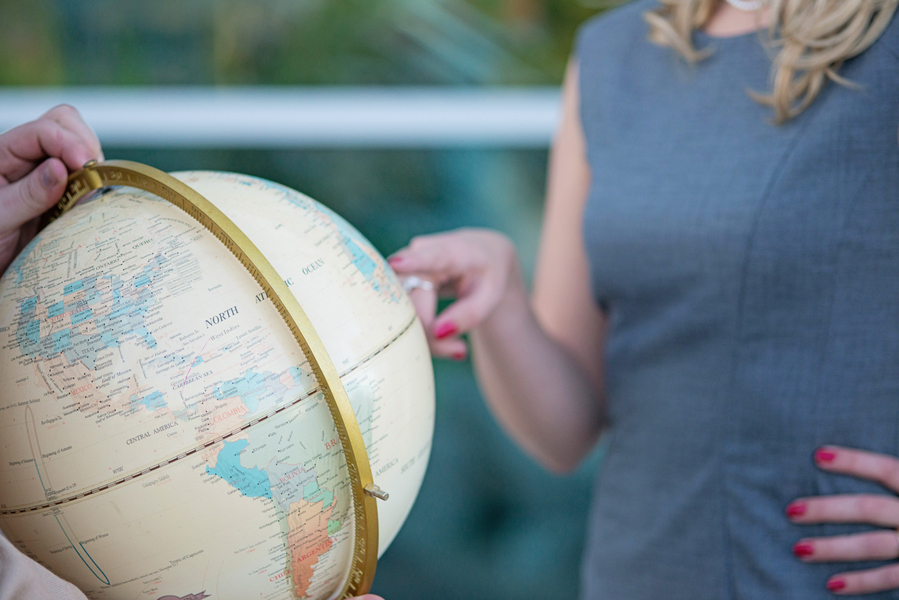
877,545
425,303
865,582
438,257
847,508
450,347
429,263
882,468
71,119
32,196
475,303
453,348
24,147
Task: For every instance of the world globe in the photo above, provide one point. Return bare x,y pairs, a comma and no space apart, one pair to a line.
162,433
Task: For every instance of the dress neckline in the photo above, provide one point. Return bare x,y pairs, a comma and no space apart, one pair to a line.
707,37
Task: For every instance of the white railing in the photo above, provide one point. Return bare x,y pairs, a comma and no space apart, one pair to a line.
300,117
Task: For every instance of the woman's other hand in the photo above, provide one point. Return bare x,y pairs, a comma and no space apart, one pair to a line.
35,160
874,509
477,267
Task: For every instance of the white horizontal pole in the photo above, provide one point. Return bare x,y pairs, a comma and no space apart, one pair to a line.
300,117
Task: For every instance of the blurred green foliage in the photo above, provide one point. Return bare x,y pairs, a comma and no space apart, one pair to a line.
287,42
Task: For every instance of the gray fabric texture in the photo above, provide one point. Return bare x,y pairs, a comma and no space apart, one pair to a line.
751,275
23,579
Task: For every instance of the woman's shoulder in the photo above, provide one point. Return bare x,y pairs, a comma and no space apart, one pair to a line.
613,21
889,39
613,26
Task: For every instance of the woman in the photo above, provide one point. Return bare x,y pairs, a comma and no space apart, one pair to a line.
716,289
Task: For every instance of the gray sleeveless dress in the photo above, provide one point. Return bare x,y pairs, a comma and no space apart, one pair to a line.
751,274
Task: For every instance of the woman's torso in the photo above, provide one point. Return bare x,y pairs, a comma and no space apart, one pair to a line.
751,273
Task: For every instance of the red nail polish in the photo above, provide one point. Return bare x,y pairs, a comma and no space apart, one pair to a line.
796,510
836,584
394,260
825,456
459,355
801,549
445,330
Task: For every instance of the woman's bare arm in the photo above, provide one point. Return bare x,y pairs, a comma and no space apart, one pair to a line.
539,365
542,369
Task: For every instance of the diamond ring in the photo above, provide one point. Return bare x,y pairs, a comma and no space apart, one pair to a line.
417,283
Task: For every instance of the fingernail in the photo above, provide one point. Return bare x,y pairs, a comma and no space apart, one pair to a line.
459,355
394,260
796,510
445,330
803,549
48,177
825,456
836,584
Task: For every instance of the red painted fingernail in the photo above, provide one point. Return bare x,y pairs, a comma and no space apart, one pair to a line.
801,549
835,585
825,456
459,355
445,330
796,510
394,260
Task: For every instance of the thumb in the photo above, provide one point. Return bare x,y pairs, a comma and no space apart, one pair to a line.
470,309
32,195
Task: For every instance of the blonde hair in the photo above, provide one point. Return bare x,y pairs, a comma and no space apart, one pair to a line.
809,40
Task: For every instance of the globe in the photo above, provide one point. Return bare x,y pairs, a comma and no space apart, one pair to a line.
162,434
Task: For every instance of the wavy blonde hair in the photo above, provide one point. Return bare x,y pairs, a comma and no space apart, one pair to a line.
808,40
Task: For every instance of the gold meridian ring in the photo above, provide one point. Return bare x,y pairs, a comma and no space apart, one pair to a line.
365,511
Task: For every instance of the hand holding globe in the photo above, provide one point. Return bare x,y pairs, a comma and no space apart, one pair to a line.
163,419
34,162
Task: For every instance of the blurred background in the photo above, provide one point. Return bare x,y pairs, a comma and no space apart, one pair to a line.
488,522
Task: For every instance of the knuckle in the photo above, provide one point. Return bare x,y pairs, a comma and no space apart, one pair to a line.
59,137
50,132
870,545
63,110
45,126
417,242
869,505
882,470
889,473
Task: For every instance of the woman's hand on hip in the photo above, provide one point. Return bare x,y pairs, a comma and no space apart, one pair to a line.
478,267
874,509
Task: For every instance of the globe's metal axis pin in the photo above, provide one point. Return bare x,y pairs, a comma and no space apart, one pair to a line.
374,491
